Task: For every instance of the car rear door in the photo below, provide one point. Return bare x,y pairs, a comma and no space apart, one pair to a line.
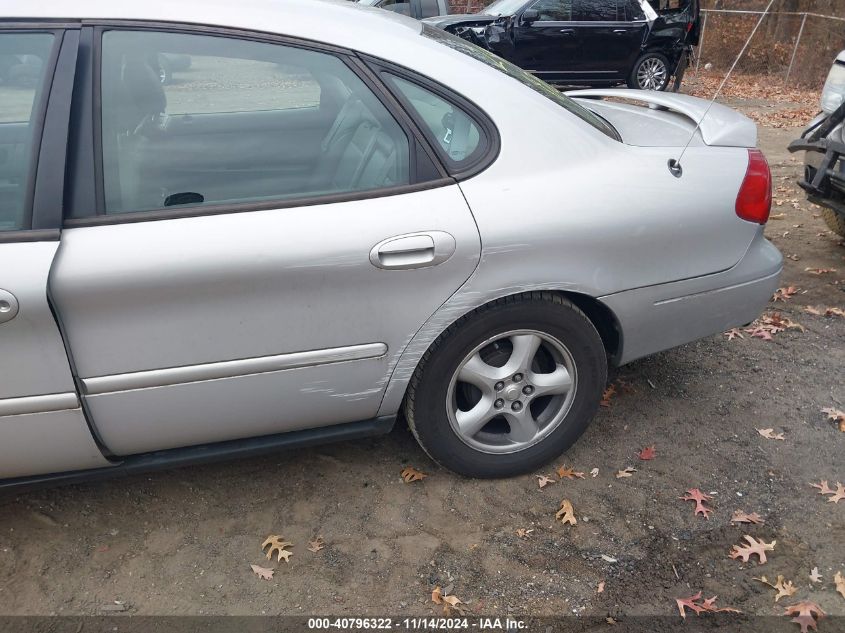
42,427
611,38
207,292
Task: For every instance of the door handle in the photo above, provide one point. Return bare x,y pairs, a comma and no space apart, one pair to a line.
567,31
620,31
8,306
413,250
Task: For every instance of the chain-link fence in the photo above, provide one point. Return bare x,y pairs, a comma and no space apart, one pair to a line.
797,47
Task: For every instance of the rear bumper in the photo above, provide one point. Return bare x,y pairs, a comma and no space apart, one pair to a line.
661,317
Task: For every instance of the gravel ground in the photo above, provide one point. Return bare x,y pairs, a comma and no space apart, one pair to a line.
182,542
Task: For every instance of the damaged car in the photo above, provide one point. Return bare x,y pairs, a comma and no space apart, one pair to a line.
824,145
587,42
340,221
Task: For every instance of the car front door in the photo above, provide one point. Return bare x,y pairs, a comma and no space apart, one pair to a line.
265,238
547,46
42,427
611,38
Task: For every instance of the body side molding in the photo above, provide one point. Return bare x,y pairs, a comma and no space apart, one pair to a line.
228,369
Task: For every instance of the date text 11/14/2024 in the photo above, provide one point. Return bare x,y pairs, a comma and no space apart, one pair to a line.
416,624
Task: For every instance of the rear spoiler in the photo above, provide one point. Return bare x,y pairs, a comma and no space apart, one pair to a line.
722,127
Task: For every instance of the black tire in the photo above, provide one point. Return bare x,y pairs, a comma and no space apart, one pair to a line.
426,400
835,221
634,80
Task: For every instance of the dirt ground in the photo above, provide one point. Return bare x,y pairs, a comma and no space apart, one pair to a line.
182,542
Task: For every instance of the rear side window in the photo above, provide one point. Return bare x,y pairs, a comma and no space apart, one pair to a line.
429,8
553,10
599,10
193,120
634,11
455,132
527,79
397,7
23,64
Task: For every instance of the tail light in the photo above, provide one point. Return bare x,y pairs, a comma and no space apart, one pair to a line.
754,201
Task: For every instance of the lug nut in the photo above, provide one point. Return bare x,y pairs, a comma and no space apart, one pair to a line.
517,406
528,390
500,386
499,403
517,377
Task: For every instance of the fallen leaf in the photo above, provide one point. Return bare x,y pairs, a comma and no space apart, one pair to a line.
544,480
825,311
784,588
710,605
600,588
450,603
566,514
411,474
607,395
836,415
839,582
760,333
824,489
628,472
699,497
839,495
568,473
769,434
820,271
277,544
806,613
437,595
770,324
785,294
316,545
594,473
754,546
741,517
263,572
734,333
524,533
648,453
453,603
815,576
689,603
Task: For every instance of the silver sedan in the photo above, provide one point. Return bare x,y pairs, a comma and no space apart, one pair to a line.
330,217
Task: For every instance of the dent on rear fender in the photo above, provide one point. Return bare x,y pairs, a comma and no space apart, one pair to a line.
460,304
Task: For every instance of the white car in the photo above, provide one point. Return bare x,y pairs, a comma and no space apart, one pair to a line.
335,216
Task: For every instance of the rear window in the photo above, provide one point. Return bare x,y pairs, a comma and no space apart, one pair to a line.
527,79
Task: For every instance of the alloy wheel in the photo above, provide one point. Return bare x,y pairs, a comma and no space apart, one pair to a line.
511,391
652,74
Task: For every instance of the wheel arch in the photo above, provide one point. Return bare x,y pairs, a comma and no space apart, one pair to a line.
601,316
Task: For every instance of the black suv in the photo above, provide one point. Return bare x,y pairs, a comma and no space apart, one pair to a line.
587,42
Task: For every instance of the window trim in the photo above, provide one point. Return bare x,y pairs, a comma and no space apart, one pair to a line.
97,215
38,121
489,131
